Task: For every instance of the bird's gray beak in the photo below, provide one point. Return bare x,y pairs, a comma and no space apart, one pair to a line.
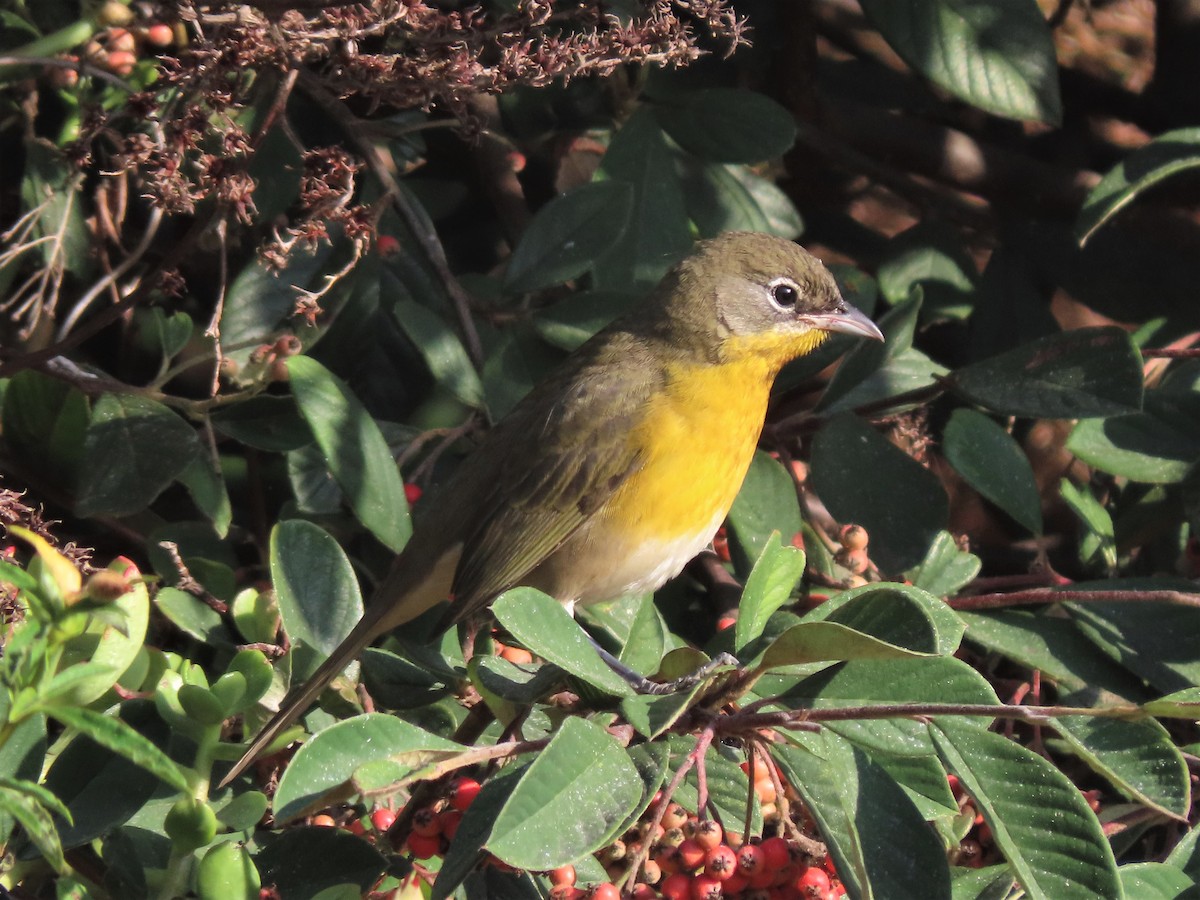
847,320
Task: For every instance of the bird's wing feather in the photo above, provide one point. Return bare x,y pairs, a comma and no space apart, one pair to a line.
559,468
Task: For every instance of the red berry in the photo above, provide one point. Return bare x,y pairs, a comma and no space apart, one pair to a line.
355,826
422,847
160,34
382,818
644,892
120,62
566,892
605,891
735,884
705,887
812,882
691,855
412,492
677,887
562,875
709,834
751,859
387,245
726,622
426,822
465,792
451,819
720,862
777,852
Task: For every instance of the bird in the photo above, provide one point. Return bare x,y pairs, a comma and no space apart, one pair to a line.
609,476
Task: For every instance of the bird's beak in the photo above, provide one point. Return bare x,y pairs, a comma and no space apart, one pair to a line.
847,320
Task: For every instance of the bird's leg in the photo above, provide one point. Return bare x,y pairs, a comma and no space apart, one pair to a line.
643,685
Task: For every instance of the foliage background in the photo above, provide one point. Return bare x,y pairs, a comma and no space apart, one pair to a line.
251,261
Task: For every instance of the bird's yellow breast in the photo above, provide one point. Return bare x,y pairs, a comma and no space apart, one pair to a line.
697,439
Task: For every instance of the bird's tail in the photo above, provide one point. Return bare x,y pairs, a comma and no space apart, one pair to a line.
302,696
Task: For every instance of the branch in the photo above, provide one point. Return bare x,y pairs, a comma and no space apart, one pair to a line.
1048,595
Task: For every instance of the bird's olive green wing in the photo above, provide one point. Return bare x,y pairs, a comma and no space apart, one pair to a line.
564,451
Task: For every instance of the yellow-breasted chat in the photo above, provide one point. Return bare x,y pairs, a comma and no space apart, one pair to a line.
610,475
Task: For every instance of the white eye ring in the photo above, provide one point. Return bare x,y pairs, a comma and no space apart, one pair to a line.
784,293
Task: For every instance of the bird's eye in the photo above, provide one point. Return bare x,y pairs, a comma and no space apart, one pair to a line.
785,294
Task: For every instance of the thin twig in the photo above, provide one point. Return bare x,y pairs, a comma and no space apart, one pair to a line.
1048,595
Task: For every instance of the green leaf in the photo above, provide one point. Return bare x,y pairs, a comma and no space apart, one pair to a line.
765,505
541,624
518,362
357,454
584,769
728,125
478,824
33,816
811,642
1155,881
1072,375
993,463
863,478
1183,704
322,768
103,643
134,448
1165,156
879,841
1039,820
658,234
44,421
304,862
899,613
769,586
945,570
191,616
568,323
1157,445
933,256
1099,544
568,234
319,599
724,198
441,349
171,333
206,484
264,422
1137,758
117,736
996,56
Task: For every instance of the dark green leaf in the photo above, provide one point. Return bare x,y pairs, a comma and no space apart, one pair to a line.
265,423
134,448
996,56
1156,881
766,504
728,125
171,333
879,841
191,615
117,736
1166,155
1039,820
993,463
933,256
724,198
1157,446
1138,758
863,478
1072,375
44,422
355,450
319,599
303,862
512,369
1098,545
541,624
441,349
582,768
811,642
945,569
899,613
323,766
658,233
568,323
206,484
769,586
35,819
568,234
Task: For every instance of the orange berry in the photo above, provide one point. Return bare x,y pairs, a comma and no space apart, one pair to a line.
566,892
518,656
605,891
387,245
423,847
709,834
120,62
644,892
765,790
562,875
674,817
160,35
355,826
651,872
465,792
726,622
750,859
854,537
323,821
691,855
